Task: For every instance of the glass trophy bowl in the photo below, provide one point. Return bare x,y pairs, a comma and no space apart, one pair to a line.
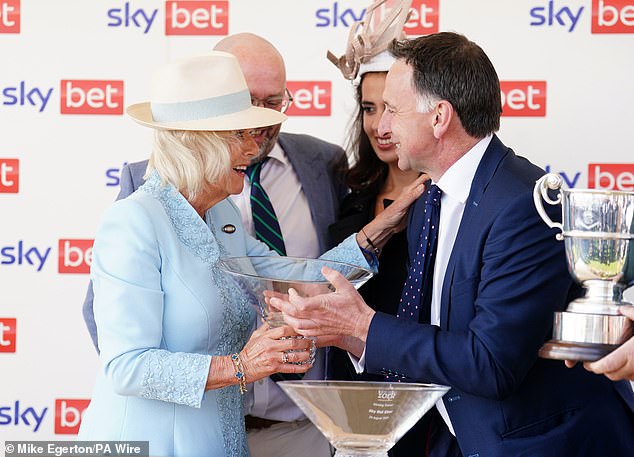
257,274
363,418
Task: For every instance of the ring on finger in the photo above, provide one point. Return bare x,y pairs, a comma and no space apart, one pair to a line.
284,357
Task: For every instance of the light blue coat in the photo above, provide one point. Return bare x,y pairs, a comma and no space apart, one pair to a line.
163,309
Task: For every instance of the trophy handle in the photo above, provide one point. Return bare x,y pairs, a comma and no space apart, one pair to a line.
550,181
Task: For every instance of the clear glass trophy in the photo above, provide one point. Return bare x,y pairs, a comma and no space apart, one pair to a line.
256,274
363,418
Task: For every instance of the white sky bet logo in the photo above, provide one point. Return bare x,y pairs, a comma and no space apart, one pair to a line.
9,176
9,16
611,176
310,98
612,16
8,334
75,256
68,413
523,98
196,18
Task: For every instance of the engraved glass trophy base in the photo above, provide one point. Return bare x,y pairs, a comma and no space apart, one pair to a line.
363,419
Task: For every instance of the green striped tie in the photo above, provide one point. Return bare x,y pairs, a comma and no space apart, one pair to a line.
267,227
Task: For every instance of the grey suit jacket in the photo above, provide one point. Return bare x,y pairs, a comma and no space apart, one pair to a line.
315,163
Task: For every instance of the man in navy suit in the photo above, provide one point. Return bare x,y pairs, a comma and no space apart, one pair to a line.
302,179
499,274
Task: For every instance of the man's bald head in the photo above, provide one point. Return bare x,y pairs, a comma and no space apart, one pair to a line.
258,58
264,71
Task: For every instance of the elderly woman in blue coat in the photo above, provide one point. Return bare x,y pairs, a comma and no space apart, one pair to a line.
175,331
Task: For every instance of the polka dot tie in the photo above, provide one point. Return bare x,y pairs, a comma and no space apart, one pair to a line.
420,275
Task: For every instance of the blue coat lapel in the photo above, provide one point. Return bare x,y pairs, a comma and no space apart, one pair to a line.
311,171
493,156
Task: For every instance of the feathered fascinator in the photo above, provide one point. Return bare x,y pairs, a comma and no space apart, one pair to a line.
382,23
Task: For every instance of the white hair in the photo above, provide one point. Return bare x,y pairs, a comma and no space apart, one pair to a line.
190,159
425,102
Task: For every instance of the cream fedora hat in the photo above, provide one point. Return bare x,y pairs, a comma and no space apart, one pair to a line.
205,92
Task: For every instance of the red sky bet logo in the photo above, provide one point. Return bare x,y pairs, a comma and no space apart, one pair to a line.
611,176
310,98
523,98
423,19
197,18
612,16
75,256
9,176
9,16
8,328
68,414
91,97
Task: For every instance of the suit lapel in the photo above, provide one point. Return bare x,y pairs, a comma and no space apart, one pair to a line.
311,176
490,162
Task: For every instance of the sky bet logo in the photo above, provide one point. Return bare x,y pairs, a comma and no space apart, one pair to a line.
8,332
523,98
9,16
423,19
9,176
310,98
91,97
181,17
74,256
612,16
17,414
611,176
76,96
22,254
68,413
608,16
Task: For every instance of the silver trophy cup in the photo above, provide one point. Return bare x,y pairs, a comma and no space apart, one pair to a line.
597,228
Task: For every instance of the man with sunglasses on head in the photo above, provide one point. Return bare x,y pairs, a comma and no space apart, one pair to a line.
299,176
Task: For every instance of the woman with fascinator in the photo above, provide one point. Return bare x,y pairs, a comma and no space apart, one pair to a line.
175,331
375,182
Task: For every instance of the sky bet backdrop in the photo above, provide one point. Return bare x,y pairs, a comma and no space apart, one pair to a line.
69,68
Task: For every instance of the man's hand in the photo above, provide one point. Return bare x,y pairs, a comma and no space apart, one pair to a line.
340,317
618,364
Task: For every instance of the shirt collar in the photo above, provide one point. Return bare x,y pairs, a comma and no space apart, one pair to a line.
453,180
277,154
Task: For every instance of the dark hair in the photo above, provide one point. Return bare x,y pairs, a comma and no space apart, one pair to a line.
450,67
368,172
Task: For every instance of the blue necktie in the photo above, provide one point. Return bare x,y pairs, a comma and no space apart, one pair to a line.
267,227
415,301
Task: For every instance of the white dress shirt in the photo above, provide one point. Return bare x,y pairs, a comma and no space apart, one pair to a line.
282,185
264,398
455,184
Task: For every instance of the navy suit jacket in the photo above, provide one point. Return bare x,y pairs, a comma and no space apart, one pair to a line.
315,163
506,277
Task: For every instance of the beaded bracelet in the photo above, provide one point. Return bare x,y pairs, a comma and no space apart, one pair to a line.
376,250
242,381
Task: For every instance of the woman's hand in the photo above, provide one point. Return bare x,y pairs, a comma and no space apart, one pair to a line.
266,353
394,218
347,343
